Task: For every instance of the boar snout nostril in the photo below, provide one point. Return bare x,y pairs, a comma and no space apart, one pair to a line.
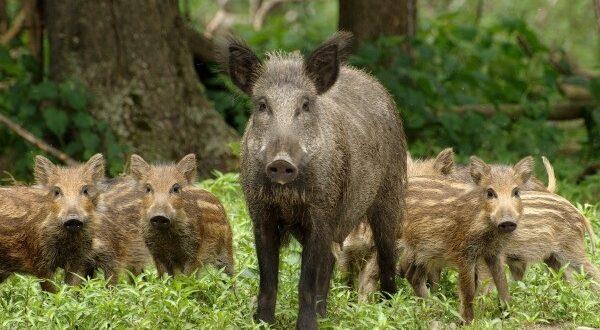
507,226
282,171
160,222
73,224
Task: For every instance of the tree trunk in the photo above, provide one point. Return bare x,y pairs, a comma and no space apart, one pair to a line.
3,17
369,19
134,57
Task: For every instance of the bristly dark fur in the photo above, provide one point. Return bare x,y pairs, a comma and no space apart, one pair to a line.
246,60
333,124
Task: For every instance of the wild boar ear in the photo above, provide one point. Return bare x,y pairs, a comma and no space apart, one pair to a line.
444,162
187,166
323,65
95,166
43,170
524,169
241,65
138,167
478,169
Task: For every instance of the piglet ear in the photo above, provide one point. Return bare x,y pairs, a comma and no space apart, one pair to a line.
187,166
43,170
241,64
524,169
323,65
478,169
138,167
95,167
444,162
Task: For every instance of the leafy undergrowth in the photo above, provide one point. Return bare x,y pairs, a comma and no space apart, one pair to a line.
211,300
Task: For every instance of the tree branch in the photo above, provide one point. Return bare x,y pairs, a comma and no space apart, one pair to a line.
559,111
16,27
26,135
261,13
220,17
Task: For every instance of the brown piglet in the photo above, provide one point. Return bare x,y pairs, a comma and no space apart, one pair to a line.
456,224
50,225
118,242
357,256
183,226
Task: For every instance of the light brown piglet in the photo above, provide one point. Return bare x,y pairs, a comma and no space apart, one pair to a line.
184,227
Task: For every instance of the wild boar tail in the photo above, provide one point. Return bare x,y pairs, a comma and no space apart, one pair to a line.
589,230
551,178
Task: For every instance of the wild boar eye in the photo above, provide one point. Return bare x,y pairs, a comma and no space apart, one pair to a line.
148,189
491,193
176,189
516,192
56,192
262,106
85,190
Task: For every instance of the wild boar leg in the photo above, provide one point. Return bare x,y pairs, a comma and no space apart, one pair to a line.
267,243
417,276
497,270
433,278
324,283
160,268
73,275
367,278
577,263
313,262
384,218
466,284
46,284
517,269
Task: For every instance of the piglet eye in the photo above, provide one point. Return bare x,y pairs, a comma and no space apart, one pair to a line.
148,189
56,192
516,192
491,193
305,105
176,189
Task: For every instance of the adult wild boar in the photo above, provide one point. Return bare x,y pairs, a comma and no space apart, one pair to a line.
323,148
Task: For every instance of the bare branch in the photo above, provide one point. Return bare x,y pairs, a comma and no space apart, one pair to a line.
263,11
27,136
16,27
220,17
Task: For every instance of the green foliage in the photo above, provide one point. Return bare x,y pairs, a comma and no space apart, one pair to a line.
57,113
451,65
213,301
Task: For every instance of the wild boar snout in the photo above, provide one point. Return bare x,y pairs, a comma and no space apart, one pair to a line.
73,222
160,222
282,170
507,225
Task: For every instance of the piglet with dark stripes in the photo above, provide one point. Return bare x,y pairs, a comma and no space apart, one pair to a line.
184,227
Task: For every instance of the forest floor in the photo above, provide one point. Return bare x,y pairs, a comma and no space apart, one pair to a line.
210,300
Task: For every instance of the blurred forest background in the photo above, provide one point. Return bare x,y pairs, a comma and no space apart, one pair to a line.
500,79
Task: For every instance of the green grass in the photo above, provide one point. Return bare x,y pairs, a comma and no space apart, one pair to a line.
211,300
